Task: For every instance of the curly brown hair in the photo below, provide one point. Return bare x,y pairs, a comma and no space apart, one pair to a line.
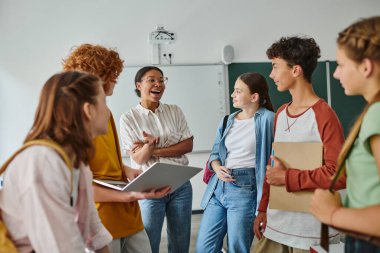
97,60
295,50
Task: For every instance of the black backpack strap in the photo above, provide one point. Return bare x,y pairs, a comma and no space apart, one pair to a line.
225,119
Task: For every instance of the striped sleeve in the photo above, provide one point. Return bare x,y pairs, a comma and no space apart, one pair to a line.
129,131
182,123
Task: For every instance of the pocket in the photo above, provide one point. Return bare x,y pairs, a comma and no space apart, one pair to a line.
243,179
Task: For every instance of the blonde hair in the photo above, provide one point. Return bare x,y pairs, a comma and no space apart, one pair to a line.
359,41
97,60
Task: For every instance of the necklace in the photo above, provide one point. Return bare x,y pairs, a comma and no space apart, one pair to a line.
287,118
287,122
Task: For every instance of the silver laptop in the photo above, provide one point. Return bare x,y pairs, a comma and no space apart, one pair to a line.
156,176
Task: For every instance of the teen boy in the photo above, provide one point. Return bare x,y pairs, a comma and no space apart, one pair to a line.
307,118
118,211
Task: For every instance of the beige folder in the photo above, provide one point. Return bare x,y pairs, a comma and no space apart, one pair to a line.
297,155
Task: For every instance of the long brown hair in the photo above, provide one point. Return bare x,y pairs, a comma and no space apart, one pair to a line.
59,115
257,84
359,41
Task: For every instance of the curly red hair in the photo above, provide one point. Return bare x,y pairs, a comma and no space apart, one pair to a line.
97,60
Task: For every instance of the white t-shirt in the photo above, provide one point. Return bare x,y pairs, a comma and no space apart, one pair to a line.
298,229
168,122
241,144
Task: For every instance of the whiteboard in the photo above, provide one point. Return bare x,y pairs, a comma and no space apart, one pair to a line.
199,90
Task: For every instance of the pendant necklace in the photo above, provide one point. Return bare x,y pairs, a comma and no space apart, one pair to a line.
287,122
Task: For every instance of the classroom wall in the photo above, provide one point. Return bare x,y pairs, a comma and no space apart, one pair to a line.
37,34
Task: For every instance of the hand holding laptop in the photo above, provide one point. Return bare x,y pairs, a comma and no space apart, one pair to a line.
131,173
152,194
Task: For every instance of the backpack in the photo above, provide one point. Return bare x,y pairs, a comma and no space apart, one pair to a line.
6,244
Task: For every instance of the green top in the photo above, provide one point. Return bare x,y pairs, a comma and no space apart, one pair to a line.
363,179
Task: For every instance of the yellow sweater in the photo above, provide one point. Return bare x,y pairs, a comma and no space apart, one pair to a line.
121,219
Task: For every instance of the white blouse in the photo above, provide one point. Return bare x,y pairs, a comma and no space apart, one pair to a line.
168,122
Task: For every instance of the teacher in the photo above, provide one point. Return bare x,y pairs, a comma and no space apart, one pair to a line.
156,132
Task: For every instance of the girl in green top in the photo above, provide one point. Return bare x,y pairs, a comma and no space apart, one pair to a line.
358,58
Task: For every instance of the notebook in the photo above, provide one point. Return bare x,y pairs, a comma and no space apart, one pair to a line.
298,155
156,176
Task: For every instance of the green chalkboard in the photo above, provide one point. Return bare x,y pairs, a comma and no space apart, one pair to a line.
264,68
346,107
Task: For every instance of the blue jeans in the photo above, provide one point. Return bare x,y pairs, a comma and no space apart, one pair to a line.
231,210
353,245
177,206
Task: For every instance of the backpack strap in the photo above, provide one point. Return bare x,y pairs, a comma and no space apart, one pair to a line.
225,119
48,143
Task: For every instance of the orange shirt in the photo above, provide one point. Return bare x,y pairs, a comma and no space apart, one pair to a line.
121,219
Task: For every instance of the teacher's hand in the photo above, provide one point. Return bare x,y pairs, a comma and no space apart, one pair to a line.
136,147
150,139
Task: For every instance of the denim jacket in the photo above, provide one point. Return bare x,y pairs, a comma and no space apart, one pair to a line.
264,138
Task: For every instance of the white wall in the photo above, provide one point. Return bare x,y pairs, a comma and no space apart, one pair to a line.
37,34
